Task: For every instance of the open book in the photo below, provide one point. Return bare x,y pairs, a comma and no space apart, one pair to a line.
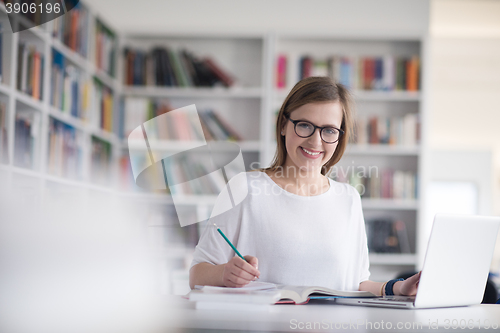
268,293
302,294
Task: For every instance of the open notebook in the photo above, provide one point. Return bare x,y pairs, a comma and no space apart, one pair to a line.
268,293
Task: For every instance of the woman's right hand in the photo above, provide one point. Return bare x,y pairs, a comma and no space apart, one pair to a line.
238,273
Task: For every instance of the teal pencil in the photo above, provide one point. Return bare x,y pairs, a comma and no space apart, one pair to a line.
230,244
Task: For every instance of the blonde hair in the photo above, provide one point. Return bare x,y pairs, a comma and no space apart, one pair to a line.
315,89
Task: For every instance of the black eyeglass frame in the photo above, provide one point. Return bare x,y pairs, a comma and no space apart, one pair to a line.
295,122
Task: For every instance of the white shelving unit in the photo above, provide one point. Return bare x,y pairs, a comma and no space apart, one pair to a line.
217,92
36,177
243,105
178,146
250,106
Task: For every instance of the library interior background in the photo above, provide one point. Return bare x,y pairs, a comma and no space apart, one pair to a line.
86,94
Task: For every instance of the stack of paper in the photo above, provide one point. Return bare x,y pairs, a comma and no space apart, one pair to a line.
256,296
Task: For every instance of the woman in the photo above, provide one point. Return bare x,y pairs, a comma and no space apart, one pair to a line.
297,226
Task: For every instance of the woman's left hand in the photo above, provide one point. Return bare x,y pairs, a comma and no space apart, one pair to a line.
407,287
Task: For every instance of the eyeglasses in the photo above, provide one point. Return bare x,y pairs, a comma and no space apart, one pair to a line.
305,129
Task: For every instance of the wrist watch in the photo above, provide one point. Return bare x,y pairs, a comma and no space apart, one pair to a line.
390,285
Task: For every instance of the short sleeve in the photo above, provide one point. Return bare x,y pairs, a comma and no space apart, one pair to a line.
364,260
212,247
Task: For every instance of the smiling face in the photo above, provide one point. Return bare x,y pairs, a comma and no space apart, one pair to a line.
310,154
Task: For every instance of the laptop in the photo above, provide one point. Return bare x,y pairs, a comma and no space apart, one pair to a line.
456,265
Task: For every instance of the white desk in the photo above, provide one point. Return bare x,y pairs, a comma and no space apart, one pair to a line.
181,316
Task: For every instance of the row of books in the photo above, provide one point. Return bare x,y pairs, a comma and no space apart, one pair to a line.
214,127
166,67
375,184
4,147
30,70
103,106
100,159
24,140
387,235
69,88
65,152
126,176
72,29
105,48
388,130
188,172
385,73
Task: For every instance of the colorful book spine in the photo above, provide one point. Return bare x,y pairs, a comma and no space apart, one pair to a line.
30,70
224,77
105,48
346,72
103,106
68,87
229,131
388,130
320,68
64,154
178,70
306,66
72,29
412,70
369,74
383,73
380,184
281,69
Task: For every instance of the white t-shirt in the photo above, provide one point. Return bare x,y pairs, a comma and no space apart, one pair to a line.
298,240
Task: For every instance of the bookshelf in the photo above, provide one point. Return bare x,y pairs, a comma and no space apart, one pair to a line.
46,97
241,104
87,59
